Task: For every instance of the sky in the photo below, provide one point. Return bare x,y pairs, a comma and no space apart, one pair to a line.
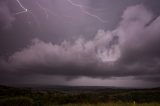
80,42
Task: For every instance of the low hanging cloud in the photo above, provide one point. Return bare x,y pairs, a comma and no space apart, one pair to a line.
68,58
129,50
6,17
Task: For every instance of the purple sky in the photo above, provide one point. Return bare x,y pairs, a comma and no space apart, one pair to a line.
80,42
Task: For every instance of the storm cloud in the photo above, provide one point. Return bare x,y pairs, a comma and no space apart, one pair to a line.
130,50
80,42
6,17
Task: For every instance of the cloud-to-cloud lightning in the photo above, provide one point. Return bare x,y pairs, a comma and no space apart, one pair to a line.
87,12
21,5
44,9
25,10
47,11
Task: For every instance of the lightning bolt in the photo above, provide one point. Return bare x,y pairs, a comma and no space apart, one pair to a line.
25,10
82,8
48,12
21,5
44,9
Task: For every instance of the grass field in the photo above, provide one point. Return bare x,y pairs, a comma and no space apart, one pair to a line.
78,96
116,104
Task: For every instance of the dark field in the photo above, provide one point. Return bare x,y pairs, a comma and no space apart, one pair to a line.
78,96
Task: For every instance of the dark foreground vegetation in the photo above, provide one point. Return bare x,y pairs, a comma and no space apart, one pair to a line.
81,96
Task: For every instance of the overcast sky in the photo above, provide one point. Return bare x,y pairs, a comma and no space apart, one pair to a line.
80,42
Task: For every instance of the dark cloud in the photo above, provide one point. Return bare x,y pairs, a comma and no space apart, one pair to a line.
6,17
110,41
129,50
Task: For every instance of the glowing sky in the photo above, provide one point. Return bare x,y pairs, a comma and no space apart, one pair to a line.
80,42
